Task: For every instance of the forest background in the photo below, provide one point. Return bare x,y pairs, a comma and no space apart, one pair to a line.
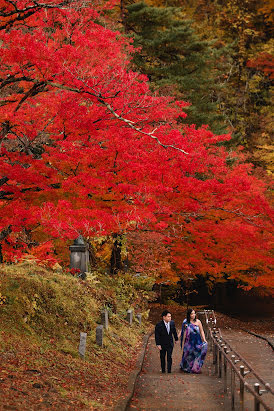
134,124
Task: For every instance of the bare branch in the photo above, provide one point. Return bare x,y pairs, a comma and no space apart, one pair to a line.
248,218
23,14
35,89
130,123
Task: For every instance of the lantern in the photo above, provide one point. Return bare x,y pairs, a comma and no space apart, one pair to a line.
79,256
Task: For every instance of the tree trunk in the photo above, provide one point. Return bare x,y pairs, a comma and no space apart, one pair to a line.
4,233
116,263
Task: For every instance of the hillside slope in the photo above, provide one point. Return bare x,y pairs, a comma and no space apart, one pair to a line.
42,313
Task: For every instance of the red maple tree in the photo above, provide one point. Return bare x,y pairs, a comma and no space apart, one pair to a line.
86,148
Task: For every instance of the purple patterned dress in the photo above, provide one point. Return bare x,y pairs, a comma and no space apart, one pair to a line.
194,349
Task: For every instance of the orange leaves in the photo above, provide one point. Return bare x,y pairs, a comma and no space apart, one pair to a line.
263,62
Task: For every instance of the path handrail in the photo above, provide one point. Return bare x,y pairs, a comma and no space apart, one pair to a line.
259,378
243,360
221,348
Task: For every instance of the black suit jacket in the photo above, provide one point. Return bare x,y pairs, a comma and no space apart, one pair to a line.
162,337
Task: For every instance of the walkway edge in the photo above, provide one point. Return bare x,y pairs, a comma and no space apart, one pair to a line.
260,336
122,404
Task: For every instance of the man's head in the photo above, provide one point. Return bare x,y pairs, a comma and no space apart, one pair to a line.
166,316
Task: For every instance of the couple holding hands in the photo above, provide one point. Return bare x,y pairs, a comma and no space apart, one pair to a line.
192,339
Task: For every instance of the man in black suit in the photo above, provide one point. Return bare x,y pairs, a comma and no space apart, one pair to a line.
164,332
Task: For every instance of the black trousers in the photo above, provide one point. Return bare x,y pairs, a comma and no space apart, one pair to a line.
166,352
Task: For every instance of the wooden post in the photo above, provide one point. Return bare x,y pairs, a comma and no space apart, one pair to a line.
242,386
225,369
214,359
232,383
256,402
213,340
220,362
217,358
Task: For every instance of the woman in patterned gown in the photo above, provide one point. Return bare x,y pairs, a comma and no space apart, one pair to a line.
193,343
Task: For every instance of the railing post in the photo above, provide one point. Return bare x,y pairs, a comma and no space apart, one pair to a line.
211,342
232,383
256,402
220,360
214,351
242,386
225,370
216,358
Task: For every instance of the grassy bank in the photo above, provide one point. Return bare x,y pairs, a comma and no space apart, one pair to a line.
42,313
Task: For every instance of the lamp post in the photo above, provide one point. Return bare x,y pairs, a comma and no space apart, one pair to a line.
79,256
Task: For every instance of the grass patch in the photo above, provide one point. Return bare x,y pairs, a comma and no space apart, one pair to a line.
41,316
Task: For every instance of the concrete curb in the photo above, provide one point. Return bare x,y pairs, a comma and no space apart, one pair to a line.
260,336
122,404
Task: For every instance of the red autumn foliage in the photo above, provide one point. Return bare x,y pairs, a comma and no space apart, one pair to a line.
86,148
263,62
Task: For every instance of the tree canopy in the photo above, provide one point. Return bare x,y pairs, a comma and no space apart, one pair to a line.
87,148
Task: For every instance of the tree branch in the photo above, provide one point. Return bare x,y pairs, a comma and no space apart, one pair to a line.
248,218
23,14
130,123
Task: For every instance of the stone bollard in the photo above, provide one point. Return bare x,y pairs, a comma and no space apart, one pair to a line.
104,318
129,316
139,318
99,335
82,344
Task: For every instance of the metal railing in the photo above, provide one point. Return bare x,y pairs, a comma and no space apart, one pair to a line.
229,363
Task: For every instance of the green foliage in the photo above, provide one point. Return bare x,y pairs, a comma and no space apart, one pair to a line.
236,52
246,96
177,60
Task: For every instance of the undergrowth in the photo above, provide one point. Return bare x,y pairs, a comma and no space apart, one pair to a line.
42,313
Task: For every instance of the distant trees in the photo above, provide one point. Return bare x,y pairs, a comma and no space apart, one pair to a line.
177,60
230,45
244,95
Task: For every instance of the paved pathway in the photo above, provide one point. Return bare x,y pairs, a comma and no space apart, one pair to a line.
179,391
176,391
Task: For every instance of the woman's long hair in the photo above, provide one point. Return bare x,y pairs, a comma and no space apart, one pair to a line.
189,311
